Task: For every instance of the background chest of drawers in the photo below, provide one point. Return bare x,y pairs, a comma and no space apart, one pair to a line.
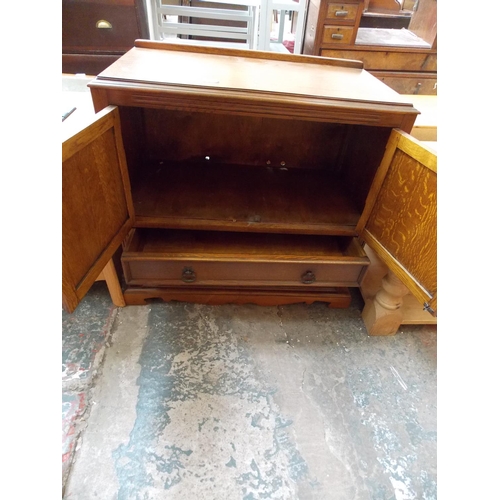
405,59
330,24
95,33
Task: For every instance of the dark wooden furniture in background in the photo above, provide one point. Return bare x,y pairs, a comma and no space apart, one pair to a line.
95,33
405,59
245,176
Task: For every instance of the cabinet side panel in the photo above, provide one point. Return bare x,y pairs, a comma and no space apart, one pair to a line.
364,151
134,139
404,218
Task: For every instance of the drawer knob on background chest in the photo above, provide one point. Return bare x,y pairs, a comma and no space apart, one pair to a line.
188,275
103,24
341,13
308,278
337,36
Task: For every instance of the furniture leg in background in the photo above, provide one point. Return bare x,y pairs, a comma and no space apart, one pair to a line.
268,7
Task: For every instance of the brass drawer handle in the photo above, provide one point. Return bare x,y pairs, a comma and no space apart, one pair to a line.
341,13
188,275
103,24
308,278
337,36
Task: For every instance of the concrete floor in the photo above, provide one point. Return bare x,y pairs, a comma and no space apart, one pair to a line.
185,401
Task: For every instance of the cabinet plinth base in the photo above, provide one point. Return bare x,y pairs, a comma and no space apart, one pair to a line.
336,297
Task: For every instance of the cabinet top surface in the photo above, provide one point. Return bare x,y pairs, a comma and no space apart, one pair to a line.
250,72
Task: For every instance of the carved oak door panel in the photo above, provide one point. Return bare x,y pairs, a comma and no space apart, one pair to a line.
97,209
399,221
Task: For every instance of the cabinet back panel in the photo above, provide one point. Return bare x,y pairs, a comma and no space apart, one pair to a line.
242,140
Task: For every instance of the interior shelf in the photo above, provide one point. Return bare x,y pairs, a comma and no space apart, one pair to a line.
226,197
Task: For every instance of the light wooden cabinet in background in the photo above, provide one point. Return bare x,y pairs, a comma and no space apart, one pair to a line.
404,58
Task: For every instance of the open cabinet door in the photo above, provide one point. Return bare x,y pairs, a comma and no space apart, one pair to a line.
97,210
399,221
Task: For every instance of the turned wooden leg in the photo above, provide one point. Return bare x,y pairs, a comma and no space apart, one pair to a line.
112,281
382,314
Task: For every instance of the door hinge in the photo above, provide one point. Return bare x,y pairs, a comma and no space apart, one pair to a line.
428,308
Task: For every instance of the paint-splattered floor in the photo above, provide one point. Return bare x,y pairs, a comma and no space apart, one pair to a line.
186,401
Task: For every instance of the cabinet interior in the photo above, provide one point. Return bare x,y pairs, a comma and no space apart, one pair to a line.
235,172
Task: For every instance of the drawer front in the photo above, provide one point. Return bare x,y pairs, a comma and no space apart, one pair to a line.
385,60
342,11
99,26
337,35
146,272
407,83
161,257
91,64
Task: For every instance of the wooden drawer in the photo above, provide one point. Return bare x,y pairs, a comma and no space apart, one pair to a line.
162,257
105,26
339,11
91,64
383,59
409,83
337,35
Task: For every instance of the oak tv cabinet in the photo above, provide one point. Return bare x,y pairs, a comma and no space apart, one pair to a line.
234,176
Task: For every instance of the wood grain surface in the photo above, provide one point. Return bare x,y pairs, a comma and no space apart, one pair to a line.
401,218
96,203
